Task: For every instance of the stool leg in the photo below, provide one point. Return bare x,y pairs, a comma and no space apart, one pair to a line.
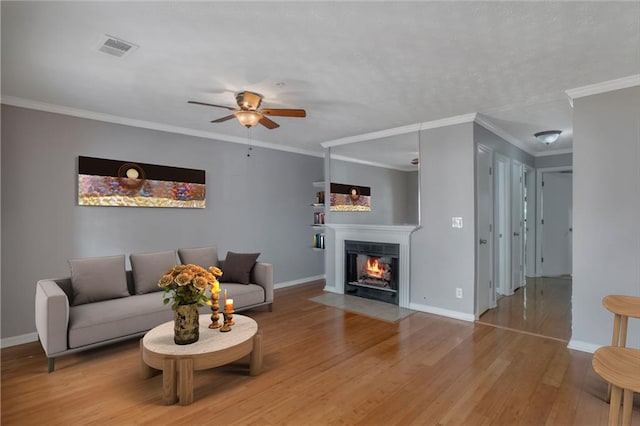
616,330
614,406
623,332
627,405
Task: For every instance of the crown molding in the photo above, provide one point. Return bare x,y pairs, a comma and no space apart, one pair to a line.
98,116
554,152
371,163
450,121
605,86
504,134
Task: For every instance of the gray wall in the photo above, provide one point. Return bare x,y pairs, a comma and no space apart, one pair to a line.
259,203
390,193
442,257
559,160
606,211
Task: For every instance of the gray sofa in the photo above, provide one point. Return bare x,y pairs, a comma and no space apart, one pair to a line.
71,318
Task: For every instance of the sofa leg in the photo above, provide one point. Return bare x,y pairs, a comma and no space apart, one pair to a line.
52,364
270,307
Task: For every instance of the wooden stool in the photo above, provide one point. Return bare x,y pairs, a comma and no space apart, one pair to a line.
622,307
621,368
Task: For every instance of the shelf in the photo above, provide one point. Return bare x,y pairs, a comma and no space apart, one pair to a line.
317,249
319,184
317,205
318,226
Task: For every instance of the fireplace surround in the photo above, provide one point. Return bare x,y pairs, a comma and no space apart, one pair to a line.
337,234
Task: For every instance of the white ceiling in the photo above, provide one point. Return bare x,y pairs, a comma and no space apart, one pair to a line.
356,67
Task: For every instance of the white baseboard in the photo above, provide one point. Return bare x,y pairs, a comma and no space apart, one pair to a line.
583,346
19,340
331,289
299,281
442,312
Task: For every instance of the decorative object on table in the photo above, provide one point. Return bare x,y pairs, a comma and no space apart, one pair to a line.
186,285
215,297
350,198
115,183
228,315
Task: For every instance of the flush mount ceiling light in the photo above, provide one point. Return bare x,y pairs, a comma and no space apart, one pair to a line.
548,136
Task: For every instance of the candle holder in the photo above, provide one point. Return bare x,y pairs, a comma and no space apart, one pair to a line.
215,307
228,321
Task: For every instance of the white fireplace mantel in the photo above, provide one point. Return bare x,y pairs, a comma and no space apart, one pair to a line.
395,234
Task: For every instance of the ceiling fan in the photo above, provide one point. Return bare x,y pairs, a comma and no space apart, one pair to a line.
249,115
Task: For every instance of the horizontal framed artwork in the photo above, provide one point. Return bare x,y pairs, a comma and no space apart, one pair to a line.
350,198
115,183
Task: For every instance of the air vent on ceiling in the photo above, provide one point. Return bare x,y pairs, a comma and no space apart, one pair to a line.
115,46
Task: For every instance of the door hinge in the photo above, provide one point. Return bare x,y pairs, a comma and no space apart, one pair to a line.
490,170
490,284
542,222
543,184
542,260
490,227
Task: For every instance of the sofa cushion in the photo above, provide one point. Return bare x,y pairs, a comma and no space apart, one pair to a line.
96,279
114,319
238,266
201,256
244,295
148,268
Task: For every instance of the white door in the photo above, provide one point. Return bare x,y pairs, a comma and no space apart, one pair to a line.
517,225
529,222
485,294
556,223
502,219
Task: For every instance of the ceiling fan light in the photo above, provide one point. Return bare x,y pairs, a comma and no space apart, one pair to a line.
548,136
248,118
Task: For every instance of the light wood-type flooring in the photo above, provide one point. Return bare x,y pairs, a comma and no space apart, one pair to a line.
323,365
541,307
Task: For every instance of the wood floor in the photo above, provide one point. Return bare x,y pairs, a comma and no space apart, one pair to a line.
541,307
325,366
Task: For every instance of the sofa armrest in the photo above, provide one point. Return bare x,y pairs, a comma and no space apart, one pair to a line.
52,316
263,276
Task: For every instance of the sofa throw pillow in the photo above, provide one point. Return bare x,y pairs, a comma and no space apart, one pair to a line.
237,267
201,256
148,268
96,279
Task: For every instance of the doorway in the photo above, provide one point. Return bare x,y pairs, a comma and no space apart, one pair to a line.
502,220
555,226
485,292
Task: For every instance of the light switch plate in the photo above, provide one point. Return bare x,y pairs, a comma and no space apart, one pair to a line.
456,222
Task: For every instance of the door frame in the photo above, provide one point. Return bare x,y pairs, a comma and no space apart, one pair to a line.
517,224
502,263
539,202
530,222
490,248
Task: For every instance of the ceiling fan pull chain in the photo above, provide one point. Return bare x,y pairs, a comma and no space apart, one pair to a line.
250,147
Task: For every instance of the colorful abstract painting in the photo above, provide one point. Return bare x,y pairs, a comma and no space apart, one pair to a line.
103,182
350,198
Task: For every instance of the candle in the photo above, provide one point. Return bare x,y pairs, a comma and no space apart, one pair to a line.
228,305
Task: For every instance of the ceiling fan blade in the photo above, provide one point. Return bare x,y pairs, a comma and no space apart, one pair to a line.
212,105
223,119
269,124
284,112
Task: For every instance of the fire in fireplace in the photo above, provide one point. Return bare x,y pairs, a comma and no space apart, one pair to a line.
372,270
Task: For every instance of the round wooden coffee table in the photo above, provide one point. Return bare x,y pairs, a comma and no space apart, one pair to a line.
158,352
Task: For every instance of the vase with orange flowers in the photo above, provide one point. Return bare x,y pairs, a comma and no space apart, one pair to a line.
186,286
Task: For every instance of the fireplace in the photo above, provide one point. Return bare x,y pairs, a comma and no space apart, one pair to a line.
371,270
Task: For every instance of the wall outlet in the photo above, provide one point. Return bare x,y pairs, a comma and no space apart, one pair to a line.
459,293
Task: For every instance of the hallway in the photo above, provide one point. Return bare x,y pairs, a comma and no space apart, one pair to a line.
542,307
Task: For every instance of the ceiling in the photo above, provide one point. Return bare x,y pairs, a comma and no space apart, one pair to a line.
356,67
